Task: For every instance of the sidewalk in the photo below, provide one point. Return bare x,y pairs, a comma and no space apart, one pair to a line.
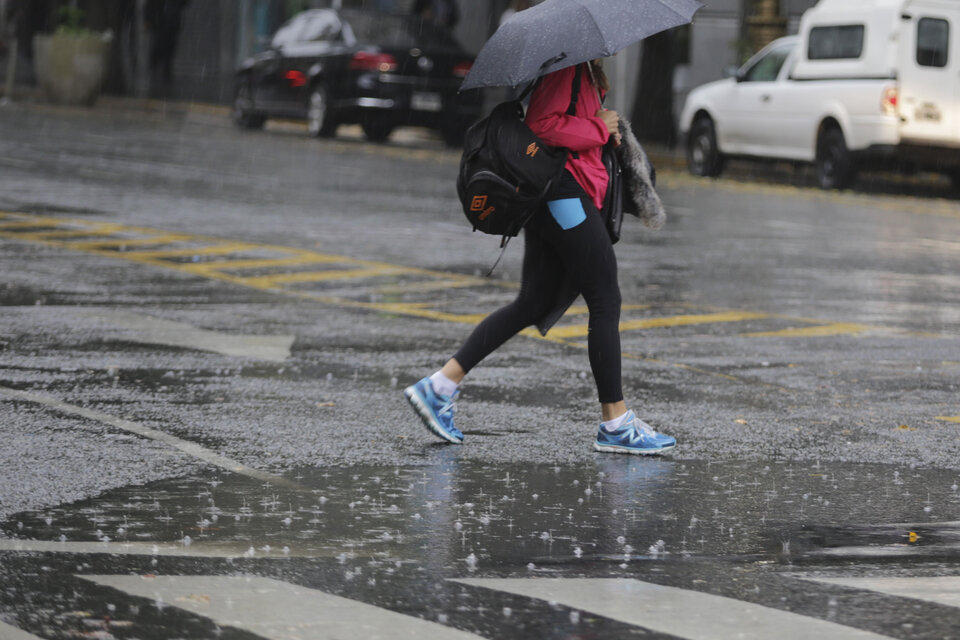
662,158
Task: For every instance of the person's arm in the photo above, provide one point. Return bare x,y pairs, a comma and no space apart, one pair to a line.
547,115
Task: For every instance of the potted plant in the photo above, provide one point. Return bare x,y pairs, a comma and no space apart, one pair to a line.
70,63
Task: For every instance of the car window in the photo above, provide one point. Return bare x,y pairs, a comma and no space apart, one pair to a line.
322,25
289,32
768,67
933,40
835,42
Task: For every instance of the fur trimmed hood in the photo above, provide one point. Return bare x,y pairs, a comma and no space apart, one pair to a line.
639,180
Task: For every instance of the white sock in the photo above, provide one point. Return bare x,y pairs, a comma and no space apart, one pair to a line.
616,423
442,384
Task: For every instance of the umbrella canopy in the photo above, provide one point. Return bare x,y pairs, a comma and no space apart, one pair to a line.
561,33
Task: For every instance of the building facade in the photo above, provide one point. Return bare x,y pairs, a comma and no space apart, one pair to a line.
217,35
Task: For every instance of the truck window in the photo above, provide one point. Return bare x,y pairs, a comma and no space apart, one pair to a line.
768,67
933,38
835,42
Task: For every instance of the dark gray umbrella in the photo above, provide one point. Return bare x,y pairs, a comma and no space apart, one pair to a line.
561,33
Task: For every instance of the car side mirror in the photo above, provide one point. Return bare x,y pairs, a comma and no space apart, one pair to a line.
733,72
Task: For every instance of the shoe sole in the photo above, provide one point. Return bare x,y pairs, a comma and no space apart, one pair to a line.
611,448
420,406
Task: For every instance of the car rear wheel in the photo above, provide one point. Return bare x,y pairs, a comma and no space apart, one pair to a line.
834,164
703,155
243,114
319,122
377,130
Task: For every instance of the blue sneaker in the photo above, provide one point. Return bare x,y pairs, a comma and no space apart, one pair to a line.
635,436
434,409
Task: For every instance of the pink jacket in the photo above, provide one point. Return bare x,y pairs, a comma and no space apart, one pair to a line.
583,134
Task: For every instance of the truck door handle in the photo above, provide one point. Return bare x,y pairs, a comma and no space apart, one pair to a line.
765,97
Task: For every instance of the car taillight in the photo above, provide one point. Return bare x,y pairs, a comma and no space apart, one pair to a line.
295,78
366,61
889,100
461,70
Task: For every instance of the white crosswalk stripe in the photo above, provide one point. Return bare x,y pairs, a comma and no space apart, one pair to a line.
940,590
278,610
687,614
8,632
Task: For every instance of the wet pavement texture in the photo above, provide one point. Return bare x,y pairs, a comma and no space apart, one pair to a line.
398,538
802,346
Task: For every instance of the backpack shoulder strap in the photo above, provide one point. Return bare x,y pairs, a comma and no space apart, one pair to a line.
575,91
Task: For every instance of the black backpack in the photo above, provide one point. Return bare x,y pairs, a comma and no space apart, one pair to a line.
506,171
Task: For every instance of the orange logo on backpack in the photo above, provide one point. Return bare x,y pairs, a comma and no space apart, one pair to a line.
532,149
478,203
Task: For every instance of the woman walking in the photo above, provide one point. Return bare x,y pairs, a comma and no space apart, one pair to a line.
567,252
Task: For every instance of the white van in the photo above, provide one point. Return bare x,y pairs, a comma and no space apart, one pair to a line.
864,82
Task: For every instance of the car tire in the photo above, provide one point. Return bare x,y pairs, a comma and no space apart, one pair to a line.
243,114
703,156
834,163
377,130
320,124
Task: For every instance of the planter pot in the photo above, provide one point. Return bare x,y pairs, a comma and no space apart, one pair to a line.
70,68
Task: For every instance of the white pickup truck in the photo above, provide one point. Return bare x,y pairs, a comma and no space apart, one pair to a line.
865,82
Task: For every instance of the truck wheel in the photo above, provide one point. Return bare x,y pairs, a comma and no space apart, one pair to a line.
319,122
242,113
703,155
834,164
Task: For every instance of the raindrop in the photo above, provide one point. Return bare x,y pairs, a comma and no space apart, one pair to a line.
471,561
286,551
531,566
49,521
535,496
621,540
287,521
588,491
386,537
458,525
417,516
507,612
574,617
545,536
63,538
577,551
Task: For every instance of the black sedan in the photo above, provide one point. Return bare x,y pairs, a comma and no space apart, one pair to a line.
345,67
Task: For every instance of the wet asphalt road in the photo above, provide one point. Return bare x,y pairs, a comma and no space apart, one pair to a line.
204,334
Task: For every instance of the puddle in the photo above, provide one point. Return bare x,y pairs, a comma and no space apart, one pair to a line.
617,510
395,538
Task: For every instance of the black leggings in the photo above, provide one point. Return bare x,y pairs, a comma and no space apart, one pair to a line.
583,251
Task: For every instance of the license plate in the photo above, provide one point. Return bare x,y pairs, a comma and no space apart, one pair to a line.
426,101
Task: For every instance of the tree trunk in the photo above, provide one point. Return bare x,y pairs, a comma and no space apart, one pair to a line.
652,116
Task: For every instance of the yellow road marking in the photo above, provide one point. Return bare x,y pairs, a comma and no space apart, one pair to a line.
582,310
168,238
363,269
834,329
72,233
26,224
269,282
266,263
948,419
221,249
581,330
415,287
